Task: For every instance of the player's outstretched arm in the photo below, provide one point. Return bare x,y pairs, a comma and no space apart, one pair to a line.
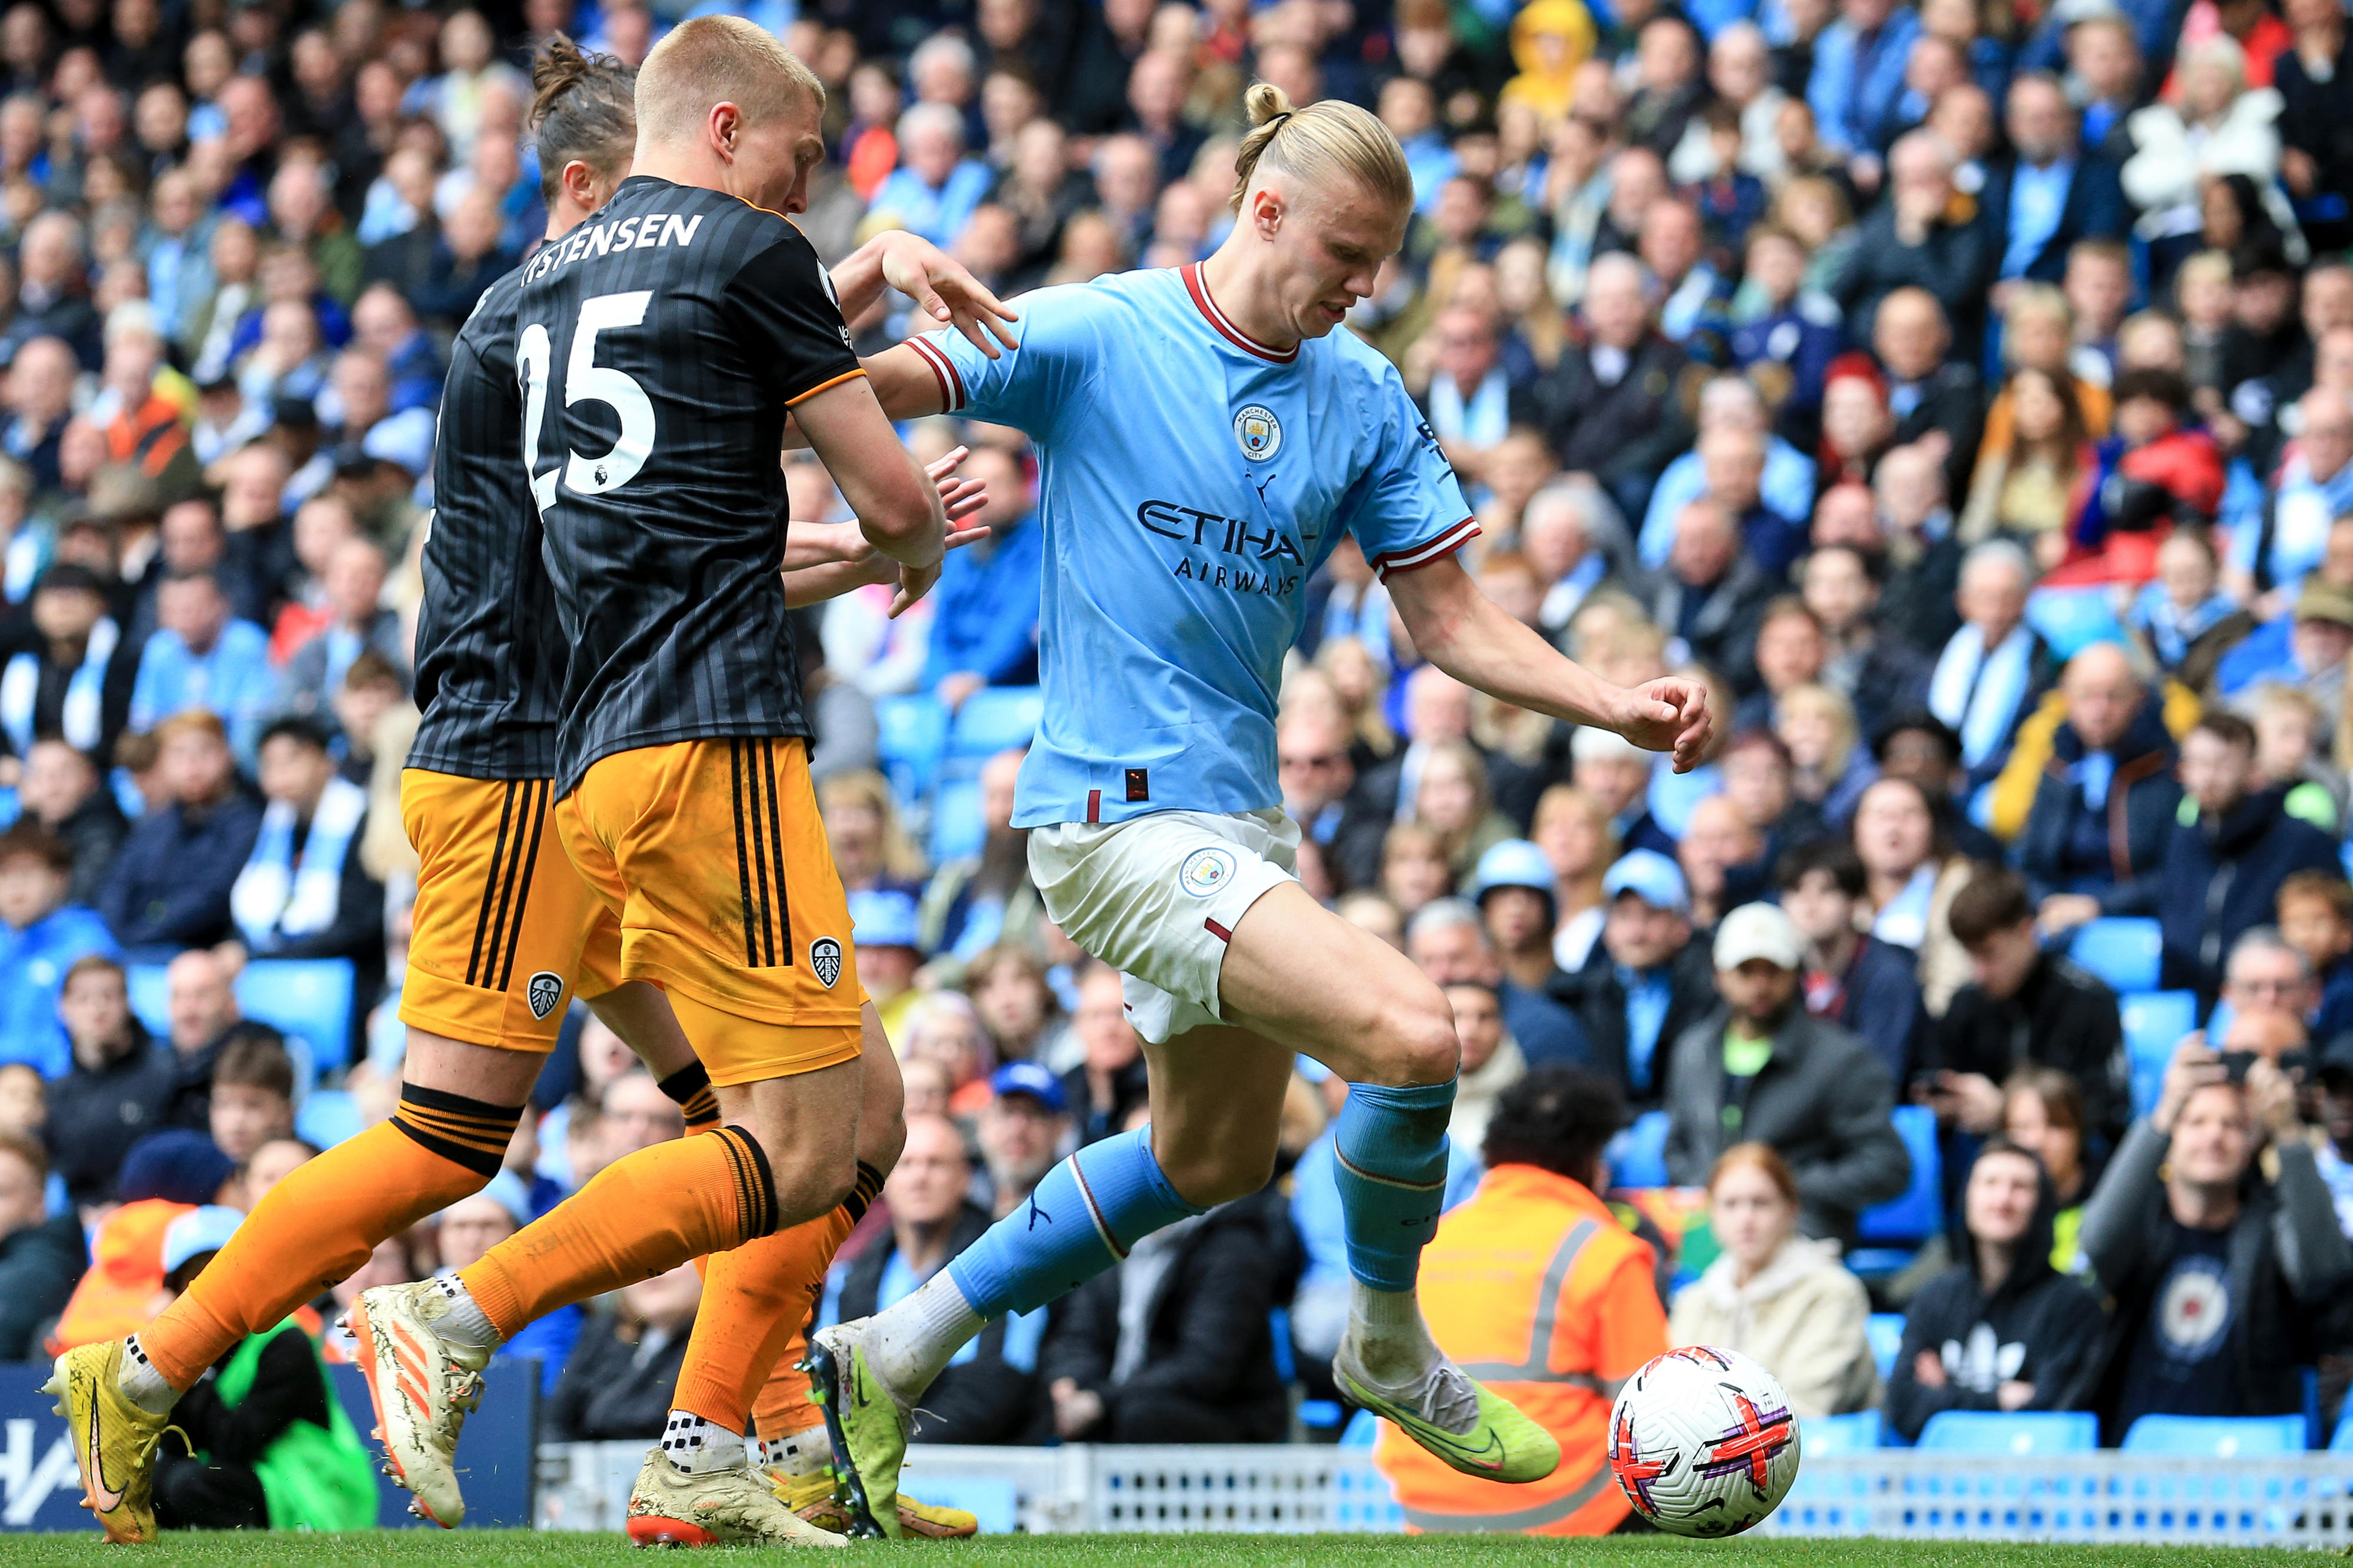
897,506
904,384
1471,638
826,560
945,294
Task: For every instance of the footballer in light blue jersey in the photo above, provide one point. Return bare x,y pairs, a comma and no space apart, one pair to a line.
1193,480
1206,438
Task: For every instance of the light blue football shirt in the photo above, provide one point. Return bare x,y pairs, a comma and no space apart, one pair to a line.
1191,483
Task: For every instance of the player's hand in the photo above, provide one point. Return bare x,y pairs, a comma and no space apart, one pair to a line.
945,292
1669,714
959,498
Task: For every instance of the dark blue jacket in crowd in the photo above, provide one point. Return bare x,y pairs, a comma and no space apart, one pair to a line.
2116,854
985,618
2222,877
1882,1002
170,885
1804,336
2094,209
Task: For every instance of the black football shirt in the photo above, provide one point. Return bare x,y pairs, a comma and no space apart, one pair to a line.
660,346
489,655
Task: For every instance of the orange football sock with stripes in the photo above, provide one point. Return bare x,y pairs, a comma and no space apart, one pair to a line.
757,1300
320,1223
642,1216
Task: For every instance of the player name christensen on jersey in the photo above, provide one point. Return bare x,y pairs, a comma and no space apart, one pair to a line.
1192,481
490,661
659,348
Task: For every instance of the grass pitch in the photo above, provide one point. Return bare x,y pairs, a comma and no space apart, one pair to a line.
521,1549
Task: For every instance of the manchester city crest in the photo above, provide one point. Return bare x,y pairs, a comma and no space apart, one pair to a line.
825,961
543,993
1259,432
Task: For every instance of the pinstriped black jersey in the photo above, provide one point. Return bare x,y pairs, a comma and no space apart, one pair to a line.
660,345
490,661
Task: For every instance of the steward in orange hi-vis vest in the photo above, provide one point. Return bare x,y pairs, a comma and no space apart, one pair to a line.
1534,1288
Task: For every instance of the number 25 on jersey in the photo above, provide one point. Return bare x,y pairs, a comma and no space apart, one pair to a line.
585,381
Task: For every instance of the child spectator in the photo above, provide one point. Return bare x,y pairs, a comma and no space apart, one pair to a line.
2042,1113
252,1094
2181,616
1851,977
41,937
2316,917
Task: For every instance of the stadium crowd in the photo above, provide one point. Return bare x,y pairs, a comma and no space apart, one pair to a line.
1964,390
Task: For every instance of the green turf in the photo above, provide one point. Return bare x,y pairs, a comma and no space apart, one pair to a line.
488,1549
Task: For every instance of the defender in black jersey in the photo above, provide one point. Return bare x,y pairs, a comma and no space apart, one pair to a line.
657,350
504,922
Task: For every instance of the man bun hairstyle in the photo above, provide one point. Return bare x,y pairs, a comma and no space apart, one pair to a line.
582,106
1325,144
708,60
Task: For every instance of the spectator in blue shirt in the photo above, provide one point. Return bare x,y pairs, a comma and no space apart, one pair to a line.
41,936
936,186
2050,194
985,620
1858,63
202,657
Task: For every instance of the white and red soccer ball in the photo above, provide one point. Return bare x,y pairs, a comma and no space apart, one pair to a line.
1703,1442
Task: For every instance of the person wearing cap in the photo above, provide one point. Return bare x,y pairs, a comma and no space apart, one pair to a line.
1022,1131
203,657
2319,636
1761,1069
473,1225
268,1444
164,1175
1646,981
1515,889
69,671
884,929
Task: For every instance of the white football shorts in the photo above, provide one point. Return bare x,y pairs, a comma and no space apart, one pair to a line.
1157,898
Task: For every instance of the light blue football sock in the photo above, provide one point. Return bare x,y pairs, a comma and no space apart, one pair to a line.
1083,1218
1391,1167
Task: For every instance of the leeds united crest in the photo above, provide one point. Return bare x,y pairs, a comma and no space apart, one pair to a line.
825,959
543,993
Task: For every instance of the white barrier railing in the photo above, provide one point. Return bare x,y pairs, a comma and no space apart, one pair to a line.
2292,1500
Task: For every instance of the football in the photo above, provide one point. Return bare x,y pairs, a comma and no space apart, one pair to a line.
1701,1441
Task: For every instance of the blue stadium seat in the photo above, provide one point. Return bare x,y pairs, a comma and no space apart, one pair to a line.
1363,1430
2343,1442
1893,1230
2016,1432
995,719
1885,1333
151,997
2217,1436
1637,1156
1855,1434
958,828
2121,950
310,998
912,736
327,1117
2071,619
2153,1022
